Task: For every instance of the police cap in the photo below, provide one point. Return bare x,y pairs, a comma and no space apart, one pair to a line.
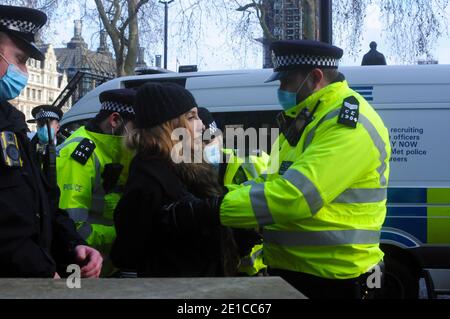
45,112
292,55
119,100
22,24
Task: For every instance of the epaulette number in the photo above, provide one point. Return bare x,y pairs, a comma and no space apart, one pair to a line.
349,115
83,151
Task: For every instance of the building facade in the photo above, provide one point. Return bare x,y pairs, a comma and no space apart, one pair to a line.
284,19
45,84
99,65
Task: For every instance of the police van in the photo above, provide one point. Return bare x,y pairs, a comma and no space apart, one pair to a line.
414,102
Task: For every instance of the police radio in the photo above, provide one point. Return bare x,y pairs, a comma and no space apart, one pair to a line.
293,128
10,149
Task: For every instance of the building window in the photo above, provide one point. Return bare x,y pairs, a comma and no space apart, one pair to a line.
33,94
28,93
50,96
39,95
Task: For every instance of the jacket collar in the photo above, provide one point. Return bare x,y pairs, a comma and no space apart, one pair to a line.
110,145
12,119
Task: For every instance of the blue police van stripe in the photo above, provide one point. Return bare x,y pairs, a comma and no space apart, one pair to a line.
412,220
407,196
364,91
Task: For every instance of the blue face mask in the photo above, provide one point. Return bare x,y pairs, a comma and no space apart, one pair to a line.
212,154
42,134
288,100
12,83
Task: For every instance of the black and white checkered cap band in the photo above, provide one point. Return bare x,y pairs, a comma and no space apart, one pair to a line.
47,115
285,61
117,107
20,25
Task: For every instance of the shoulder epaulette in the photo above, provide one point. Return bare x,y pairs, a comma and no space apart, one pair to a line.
349,115
83,151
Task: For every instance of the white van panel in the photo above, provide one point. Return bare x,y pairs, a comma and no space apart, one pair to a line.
420,141
244,92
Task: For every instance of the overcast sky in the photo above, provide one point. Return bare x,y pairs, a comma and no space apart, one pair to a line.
215,52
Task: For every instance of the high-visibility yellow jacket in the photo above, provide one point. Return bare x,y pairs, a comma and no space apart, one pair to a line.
82,185
323,202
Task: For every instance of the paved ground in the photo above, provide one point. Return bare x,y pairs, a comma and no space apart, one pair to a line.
152,288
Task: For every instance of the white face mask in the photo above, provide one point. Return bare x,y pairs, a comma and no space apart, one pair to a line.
212,153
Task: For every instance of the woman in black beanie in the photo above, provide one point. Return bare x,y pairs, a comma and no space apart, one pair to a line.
156,237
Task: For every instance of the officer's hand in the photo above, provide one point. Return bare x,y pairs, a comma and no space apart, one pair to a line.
91,260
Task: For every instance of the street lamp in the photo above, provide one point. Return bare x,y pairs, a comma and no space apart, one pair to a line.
166,18
326,21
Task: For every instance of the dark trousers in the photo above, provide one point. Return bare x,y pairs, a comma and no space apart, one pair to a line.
320,288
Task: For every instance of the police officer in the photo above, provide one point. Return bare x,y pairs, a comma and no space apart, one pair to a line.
323,202
33,237
45,116
92,169
233,172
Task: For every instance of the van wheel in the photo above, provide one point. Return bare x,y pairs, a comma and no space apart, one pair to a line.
400,281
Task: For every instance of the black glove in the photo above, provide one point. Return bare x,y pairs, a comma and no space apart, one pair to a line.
191,214
246,239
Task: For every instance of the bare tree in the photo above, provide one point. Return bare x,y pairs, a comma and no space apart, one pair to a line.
411,27
120,19
128,23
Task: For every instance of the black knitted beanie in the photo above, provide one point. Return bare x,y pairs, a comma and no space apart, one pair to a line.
157,103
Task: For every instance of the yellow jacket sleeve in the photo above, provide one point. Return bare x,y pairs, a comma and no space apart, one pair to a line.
336,159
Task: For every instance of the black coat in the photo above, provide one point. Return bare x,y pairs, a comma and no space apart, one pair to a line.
373,57
33,236
155,243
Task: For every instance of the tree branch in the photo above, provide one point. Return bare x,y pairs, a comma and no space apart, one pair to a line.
132,15
246,7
